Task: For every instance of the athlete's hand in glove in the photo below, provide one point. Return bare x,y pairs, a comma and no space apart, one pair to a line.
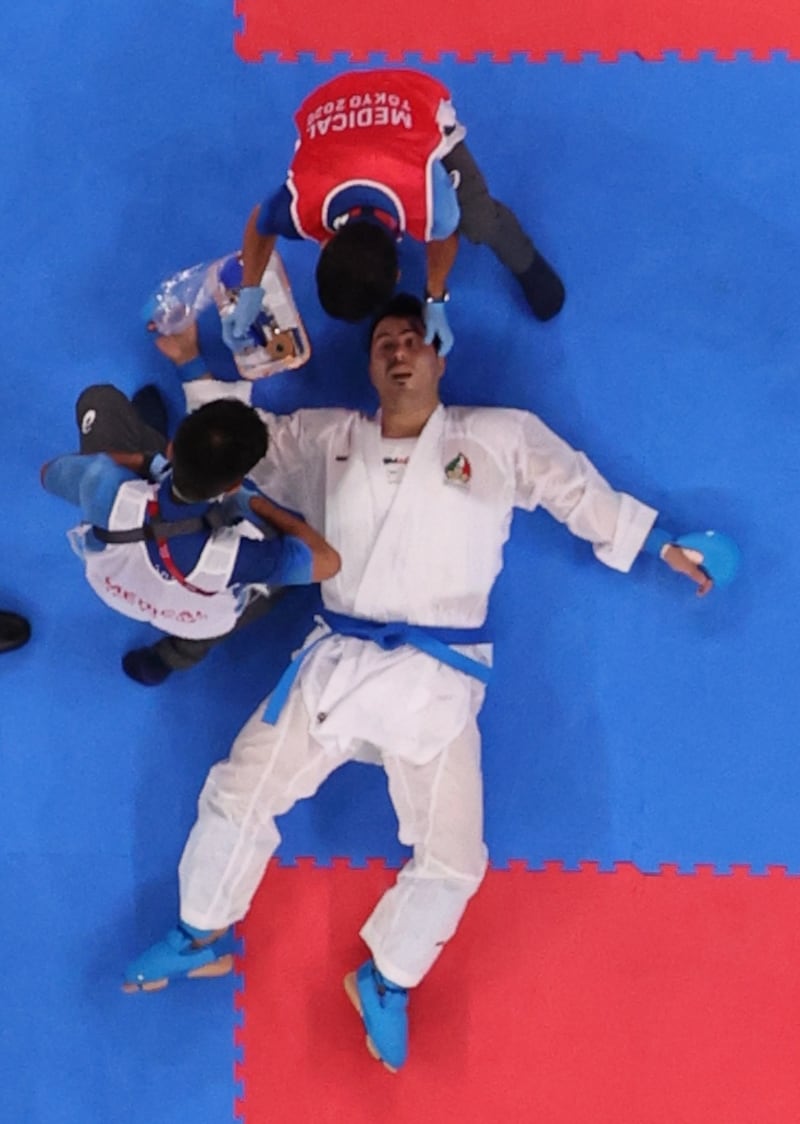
436,325
236,326
707,557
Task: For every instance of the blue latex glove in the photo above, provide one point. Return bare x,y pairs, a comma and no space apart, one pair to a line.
236,325
713,552
159,468
436,325
236,505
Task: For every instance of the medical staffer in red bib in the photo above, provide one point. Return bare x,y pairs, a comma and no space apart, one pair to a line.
380,155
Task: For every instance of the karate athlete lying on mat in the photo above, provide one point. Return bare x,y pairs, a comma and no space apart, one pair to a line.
184,545
418,500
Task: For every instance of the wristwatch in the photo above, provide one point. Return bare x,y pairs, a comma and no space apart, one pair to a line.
443,299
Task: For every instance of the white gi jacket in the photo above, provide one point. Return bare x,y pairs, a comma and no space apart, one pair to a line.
432,559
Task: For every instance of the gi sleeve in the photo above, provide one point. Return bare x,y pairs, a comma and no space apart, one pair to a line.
551,474
282,473
293,472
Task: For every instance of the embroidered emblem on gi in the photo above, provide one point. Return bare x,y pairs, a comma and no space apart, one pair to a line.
459,470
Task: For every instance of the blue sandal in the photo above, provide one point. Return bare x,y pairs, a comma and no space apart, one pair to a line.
382,1006
177,955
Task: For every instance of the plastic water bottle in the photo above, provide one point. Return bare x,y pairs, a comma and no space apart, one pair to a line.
180,298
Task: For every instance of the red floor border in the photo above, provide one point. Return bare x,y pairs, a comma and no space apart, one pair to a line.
566,996
606,28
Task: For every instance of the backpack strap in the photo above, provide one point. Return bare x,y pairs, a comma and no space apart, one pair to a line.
161,529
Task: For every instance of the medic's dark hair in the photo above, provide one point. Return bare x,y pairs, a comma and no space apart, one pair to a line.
357,271
215,447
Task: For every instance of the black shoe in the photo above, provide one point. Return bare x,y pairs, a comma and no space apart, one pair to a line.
543,289
151,409
14,631
145,666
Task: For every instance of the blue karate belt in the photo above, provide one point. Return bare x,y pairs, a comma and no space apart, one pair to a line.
431,639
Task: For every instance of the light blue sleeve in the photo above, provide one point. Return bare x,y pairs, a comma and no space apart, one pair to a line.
280,560
89,482
284,560
446,211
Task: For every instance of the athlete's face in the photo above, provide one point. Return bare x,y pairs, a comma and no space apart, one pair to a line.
401,365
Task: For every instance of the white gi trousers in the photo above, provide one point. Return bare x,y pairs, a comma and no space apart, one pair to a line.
439,807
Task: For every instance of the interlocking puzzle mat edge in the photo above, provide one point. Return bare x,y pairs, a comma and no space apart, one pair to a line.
605,28
566,995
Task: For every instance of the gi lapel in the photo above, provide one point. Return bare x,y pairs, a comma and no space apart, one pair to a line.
404,530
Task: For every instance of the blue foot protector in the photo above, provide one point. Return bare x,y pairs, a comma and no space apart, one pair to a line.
176,956
721,556
382,1006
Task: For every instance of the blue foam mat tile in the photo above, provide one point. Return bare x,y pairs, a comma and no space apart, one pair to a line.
92,1043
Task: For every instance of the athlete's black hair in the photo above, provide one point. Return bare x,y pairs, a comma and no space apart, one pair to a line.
402,306
215,447
357,271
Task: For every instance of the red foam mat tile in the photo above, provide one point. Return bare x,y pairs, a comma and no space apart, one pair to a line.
605,27
565,998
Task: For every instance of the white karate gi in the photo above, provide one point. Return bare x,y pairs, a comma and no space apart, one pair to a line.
425,550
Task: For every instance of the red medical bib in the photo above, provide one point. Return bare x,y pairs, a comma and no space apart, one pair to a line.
373,127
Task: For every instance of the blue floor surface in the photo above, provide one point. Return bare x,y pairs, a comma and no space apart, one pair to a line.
627,720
